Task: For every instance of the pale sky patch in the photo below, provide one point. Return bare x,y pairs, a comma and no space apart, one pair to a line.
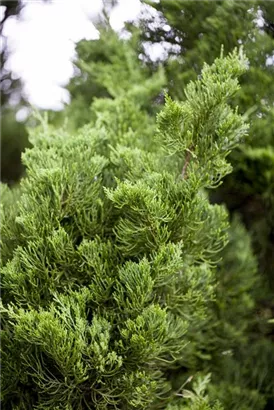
42,43
42,47
126,10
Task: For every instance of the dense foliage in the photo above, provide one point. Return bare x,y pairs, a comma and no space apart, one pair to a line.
124,284
250,188
110,283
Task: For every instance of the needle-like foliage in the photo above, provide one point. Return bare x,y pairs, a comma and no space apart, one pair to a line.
110,254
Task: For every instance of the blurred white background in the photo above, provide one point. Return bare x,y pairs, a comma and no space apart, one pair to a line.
41,43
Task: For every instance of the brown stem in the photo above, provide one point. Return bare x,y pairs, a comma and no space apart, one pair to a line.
187,161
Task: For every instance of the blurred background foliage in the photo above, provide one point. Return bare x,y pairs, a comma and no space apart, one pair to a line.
13,134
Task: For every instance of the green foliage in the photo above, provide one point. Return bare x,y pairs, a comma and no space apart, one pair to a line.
244,306
122,286
110,262
198,33
197,399
192,126
109,68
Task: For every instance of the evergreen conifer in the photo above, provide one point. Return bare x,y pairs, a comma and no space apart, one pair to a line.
111,274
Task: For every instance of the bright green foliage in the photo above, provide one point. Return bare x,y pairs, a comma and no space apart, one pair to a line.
109,262
198,29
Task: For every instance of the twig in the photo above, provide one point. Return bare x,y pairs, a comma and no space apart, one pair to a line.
187,161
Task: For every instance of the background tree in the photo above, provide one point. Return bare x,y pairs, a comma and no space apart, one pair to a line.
13,133
14,136
107,67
